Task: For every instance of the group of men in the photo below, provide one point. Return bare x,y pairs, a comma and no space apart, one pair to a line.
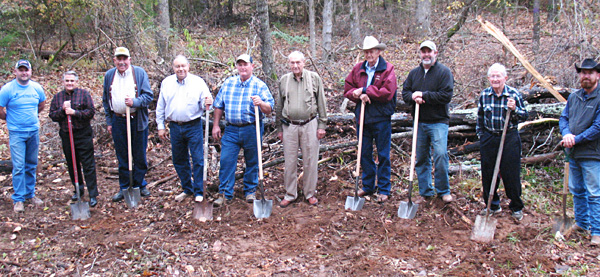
301,120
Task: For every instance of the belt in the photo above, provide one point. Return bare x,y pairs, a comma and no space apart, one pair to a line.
499,133
125,115
301,122
181,123
240,125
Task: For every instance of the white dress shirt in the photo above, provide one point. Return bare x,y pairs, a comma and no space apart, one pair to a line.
181,101
122,87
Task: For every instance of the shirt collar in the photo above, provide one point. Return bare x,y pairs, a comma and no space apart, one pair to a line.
182,82
372,67
504,92
301,76
245,83
126,73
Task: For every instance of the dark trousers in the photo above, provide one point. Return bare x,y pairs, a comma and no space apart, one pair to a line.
510,167
84,155
186,141
139,143
376,177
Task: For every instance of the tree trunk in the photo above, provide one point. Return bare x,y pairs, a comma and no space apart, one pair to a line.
163,24
354,22
327,28
311,23
535,46
552,11
265,38
422,16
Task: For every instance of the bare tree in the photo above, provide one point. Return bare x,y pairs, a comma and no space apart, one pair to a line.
265,38
327,28
163,26
536,26
354,22
422,17
311,23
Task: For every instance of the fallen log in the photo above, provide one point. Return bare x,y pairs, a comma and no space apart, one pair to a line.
541,158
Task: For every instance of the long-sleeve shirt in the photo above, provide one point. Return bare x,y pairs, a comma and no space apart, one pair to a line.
81,102
301,99
437,86
181,101
581,117
234,98
143,95
492,109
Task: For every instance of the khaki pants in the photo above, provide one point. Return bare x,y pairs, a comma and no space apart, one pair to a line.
305,138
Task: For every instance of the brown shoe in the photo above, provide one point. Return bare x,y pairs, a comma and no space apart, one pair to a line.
595,241
422,199
382,198
313,201
447,198
284,203
362,193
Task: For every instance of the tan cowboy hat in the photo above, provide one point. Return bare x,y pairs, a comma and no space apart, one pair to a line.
371,42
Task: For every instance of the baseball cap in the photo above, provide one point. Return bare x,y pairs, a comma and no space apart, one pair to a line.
121,51
244,57
429,44
24,63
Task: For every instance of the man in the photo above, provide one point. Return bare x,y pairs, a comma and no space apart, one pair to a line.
431,85
128,86
494,103
237,98
182,101
21,100
77,103
580,127
374,82
301,99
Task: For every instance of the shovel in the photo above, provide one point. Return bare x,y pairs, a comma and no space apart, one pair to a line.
131,194
407,210
203,211
562,224
485,225
356,203
262,207
79,210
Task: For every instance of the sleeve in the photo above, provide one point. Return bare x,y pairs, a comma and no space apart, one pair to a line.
407,88
480,115
591,133
56,113
521,113
563,122
145,94
265,95
321,103
219,102
4,95
351,84
386,92
160,108
204,93
105,99
279,105
40,91
88,111
445,89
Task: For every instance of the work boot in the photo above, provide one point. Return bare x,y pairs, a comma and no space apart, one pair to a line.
250,198
221,200
144,192
19,207
492,211
382,198
595,241
447,198
36,201
118,197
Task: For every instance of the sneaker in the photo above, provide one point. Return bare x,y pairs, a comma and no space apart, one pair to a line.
221,200
447,198
144,192
518,215
382,198
36,201
181,196
492,211
250,197
19,207
198,198
595,241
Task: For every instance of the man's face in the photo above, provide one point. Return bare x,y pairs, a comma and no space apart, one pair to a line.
245,69
122,63
296,65
371,55
588,78
23,74
70,82
181,68
427,56
497,80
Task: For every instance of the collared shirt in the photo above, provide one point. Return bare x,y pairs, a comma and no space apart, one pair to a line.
181,101
492,110
123,86
301,99
234,98
81,102
371,71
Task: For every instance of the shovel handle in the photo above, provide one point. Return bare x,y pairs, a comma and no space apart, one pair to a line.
205,171
360,135
258,143
129,155
498,160
73,159
413,152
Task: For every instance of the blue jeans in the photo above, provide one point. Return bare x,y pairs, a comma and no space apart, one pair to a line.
584,178
139,143
24,147
381,133
235,138
432,135
186,140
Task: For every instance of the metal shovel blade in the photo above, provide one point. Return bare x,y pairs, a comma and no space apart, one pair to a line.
132,197
562,224
80,210
203,211
354,203
484,228
263,208
407,210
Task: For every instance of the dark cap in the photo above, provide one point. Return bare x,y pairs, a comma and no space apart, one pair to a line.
587,64
24,63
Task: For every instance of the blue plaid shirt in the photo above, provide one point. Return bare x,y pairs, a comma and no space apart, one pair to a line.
492,110
234,98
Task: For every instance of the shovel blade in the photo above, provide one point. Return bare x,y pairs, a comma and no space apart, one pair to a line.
263,208
407,210
354,203
132,197
80,210
562,224
484,228
203,211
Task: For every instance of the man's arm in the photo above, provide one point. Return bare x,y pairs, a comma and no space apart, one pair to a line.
41,106
106,101
591,133
352,90
88,111
145,91
216,130
387,91
56,112
279,106
446,88
2,113
407,88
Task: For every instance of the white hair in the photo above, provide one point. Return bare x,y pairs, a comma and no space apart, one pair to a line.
181,57
497,67
296,54
72,73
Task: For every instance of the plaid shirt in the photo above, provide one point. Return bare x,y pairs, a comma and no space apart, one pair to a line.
492,110
81,102
234,98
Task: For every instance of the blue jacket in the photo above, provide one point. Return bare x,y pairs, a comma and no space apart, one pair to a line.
143,98
581,117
